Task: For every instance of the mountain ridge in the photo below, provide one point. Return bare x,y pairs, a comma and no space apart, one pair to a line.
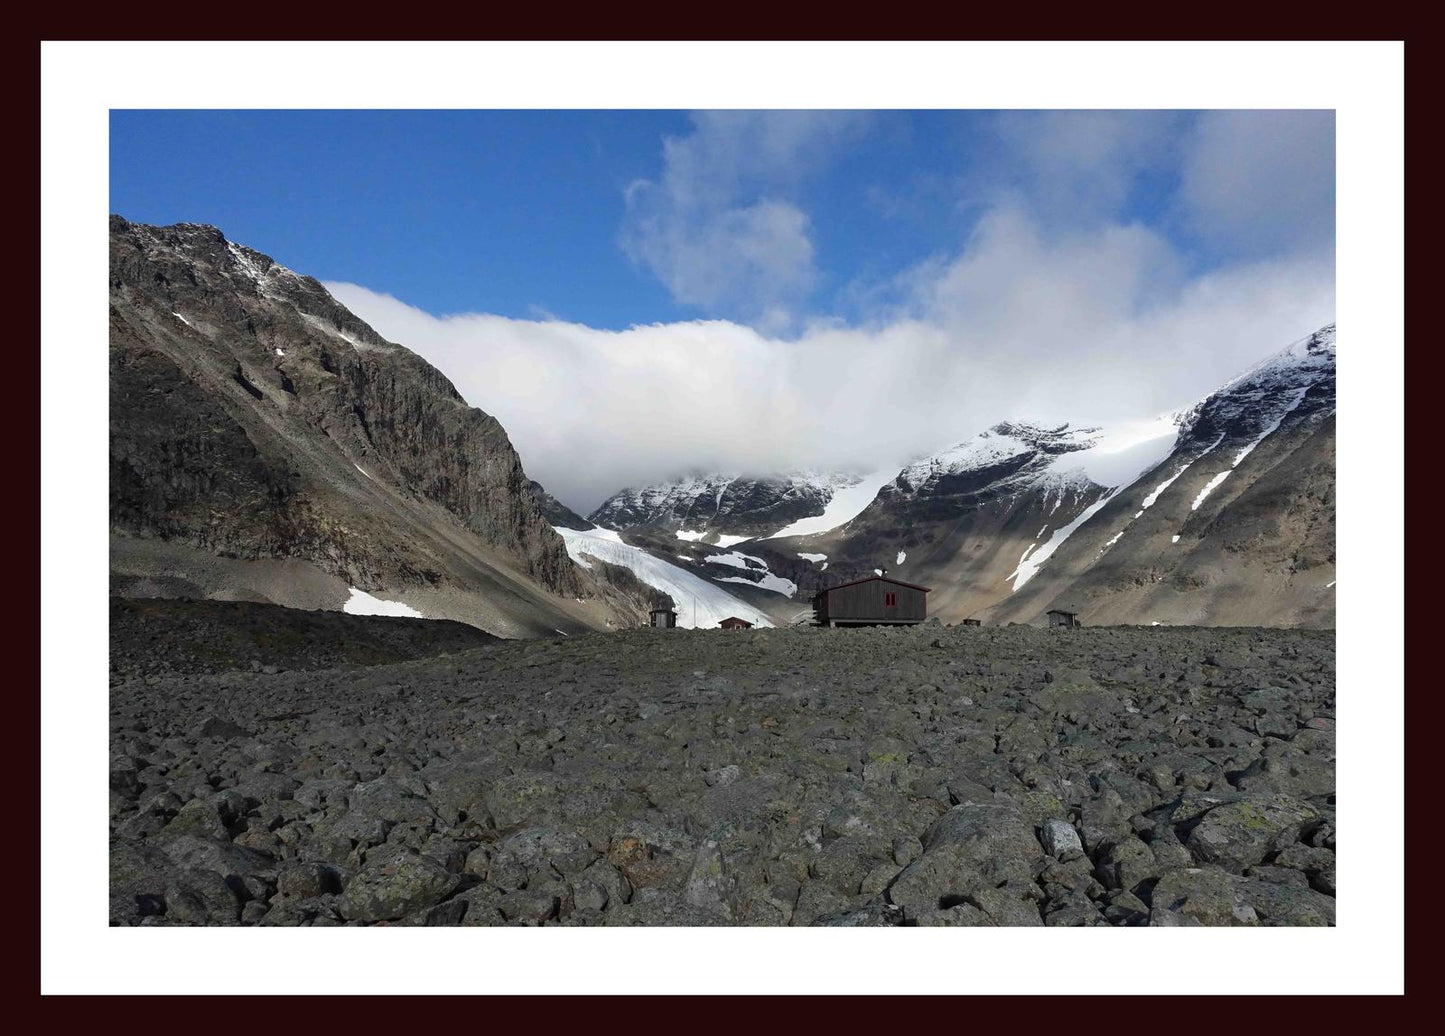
1012,521
268,444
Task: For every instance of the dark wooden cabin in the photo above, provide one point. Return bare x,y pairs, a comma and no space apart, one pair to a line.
1059,617
662,618
875,601
732,622
973,622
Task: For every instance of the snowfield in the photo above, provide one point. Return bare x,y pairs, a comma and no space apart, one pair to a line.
846,504
362,603
700,604
765,579
1059,461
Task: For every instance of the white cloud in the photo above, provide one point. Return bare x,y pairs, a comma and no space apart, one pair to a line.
1078,166
718,228
1092,325
1261,181
759,257
1058,307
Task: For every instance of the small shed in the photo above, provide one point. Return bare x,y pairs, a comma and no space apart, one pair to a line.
973,622
662,618
874,601
1059,617
732,622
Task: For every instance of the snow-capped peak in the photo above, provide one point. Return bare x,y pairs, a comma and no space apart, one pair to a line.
726,507
1263,395
1028,455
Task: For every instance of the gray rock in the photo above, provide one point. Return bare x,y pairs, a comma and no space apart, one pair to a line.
1200,896
724,776
1126,864
515,785
1061,841
393,889
307,880
1240,834
1286,903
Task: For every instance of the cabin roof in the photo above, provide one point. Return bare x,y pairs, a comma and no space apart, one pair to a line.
656,611
734,618
870,579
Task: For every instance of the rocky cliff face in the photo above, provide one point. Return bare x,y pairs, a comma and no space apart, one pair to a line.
253,417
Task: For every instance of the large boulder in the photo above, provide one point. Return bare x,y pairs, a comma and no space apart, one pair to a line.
145,883
1200,896
1241,834
395,887
972,848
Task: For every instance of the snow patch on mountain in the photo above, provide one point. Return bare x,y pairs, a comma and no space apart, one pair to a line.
758,567
846,503
767,581
362,603
1029,565
703,507
1060,462
1292,402
1209,487
700,604
735,560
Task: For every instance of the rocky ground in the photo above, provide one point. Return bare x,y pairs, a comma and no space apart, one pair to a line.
932,776
154,636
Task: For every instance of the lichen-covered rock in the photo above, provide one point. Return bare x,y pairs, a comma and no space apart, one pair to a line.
1200,896
395,888
1126,864
1240,834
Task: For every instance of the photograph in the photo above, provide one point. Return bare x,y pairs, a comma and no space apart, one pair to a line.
679,517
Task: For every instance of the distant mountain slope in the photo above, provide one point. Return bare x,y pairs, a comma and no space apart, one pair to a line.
959,520
1235,527
267,445
1220,515
724,508
556,512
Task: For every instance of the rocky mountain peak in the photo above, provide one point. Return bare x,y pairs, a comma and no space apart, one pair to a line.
254,417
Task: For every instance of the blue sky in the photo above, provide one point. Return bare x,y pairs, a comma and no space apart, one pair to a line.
1078,264
522,213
